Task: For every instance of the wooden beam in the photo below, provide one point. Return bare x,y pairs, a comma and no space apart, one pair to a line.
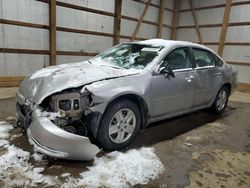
136,38
239,63
24,24
137,20
214,25
237,43
244,87
200,26
241,3
24,51
167,26
217,6
140,20
224,27
117,21
204,7
195,22
175,19
210,43
81,8
168,9
11,81
153,5
82,31
145,2
72,53
160,18
52,38
46,52
239,24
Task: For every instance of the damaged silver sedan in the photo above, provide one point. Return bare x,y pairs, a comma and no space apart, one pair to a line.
71,110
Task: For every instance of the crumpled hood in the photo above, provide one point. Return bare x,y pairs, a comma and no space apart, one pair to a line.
57,78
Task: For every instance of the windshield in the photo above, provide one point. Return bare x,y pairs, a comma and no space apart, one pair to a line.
130,55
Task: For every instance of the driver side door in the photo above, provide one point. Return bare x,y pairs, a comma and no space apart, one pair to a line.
173,95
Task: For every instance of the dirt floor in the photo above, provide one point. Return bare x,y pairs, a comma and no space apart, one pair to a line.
198,149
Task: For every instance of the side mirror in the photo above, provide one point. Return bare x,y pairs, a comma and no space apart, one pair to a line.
167,71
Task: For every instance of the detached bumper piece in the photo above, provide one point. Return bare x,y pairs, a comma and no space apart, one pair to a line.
49,139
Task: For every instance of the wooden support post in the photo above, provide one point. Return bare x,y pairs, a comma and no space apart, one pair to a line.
160,18
224,27
196,22
117,21
52,36
175,19
140,20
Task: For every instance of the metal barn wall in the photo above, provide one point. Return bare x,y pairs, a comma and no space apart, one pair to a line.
77,19
239,53
237,40
70,44
11,36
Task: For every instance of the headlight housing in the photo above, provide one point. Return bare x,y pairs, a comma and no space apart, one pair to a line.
70,103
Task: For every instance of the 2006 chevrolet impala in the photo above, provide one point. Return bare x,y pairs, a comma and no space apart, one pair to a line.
71,110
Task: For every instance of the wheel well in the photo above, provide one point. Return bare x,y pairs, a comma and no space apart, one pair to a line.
139,102
228,86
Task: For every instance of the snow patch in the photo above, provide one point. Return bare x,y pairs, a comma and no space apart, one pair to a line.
38,156
15,170
3,142
118,169
65,174
4,129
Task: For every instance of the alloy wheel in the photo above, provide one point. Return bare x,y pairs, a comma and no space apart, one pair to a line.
122,126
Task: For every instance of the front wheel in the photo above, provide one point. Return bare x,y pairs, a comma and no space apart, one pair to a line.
221,100
119,125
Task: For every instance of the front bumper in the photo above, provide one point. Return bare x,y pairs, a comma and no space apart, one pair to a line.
49,139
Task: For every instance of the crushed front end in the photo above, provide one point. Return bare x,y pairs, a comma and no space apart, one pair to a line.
58,127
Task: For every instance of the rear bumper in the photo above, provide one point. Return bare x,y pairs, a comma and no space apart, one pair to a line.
49,139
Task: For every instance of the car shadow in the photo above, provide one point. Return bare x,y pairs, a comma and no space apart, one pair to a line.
173,127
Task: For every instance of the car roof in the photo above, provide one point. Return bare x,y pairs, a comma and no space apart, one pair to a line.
171,43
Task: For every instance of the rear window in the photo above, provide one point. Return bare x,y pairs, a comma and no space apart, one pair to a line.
203,58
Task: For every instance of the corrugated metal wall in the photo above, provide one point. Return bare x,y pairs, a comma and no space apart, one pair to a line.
32,11
231,53
23,37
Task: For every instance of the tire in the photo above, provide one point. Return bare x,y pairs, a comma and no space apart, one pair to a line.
119,125
220,102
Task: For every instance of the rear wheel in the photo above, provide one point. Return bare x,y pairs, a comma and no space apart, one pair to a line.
119,125
221,100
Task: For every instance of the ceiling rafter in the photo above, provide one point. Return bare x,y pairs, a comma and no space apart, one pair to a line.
195,22
175,20
223,32
140,20
161,18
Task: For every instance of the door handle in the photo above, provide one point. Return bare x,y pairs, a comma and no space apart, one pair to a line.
190,78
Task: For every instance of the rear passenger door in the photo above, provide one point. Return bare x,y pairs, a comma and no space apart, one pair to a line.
207,77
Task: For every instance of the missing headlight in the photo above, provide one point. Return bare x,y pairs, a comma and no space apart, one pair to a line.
65,105
70,103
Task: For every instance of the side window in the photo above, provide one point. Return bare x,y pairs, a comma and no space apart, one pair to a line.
203,58
218,61
178,59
